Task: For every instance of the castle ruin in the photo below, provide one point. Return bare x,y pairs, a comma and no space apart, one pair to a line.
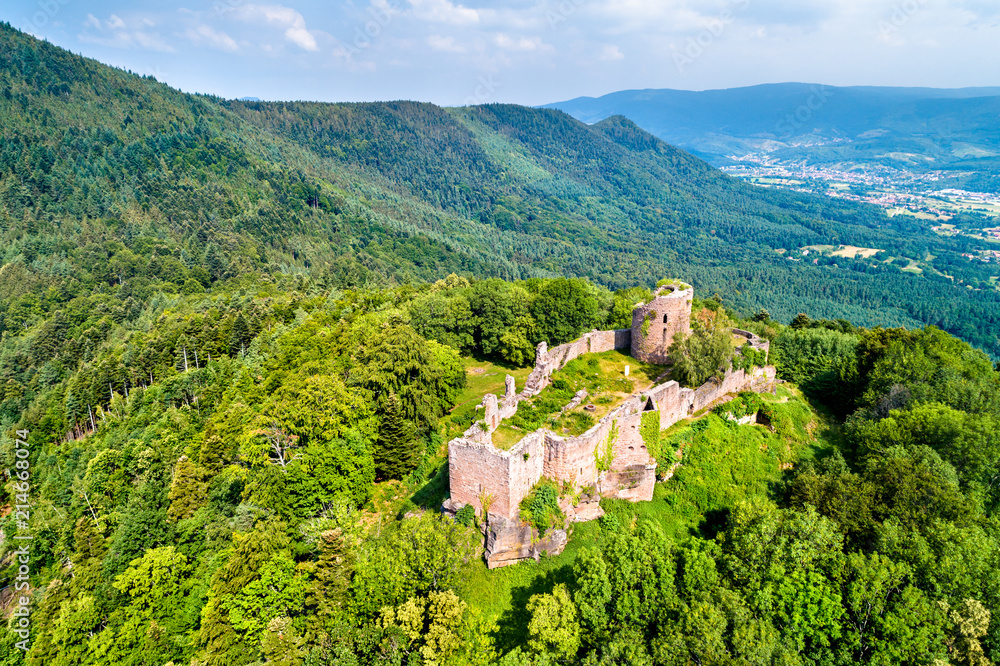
481,473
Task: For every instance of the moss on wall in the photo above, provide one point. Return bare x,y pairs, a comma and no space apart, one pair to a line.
649,429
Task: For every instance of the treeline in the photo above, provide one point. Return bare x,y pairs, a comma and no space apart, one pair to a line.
208,450
203,461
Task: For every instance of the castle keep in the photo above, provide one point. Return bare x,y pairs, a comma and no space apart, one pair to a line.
479,472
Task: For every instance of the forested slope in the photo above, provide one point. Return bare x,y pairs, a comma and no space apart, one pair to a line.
252,475
94,159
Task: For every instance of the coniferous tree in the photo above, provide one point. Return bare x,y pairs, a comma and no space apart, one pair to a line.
214,454
90,549
240,335
329,593
801,320
395,453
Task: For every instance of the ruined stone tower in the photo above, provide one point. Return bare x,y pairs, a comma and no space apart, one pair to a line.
668,313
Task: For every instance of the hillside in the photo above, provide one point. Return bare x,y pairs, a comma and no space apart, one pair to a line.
132,188
253,476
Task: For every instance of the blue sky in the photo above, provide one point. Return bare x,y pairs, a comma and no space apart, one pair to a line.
527,51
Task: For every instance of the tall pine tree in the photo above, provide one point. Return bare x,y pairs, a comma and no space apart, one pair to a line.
330,591
396,452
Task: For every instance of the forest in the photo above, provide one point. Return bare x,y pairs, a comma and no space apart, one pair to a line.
115,183
235,338
253,475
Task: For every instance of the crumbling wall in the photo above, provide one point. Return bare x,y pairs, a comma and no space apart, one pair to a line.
629,448
476,469
573,459
526,463
497,409
668,313
756,342
672,401
634,483
548,360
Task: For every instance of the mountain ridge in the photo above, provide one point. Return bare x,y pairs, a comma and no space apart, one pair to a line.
717,123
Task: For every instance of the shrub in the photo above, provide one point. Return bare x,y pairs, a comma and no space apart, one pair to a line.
466,516
744,404
540,507
610,524
747,358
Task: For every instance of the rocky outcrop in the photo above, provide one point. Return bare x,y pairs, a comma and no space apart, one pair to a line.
587,507
451,507
512,541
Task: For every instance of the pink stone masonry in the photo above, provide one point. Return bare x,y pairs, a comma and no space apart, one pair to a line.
479,471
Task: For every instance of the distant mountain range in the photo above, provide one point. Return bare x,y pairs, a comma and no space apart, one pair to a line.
910,127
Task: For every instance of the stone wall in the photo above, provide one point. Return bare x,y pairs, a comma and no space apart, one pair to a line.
548,360
734,381
476,467
526,463
668,313
634,483
672,401
496,410
572,458
755,341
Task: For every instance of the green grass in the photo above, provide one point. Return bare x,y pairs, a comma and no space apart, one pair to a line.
602,376
723,464
506,436
502,594
482,377
574,422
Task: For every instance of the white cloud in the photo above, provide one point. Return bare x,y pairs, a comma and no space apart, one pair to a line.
117,32
209,36
444,11
445,44
611,52
283,17
508,43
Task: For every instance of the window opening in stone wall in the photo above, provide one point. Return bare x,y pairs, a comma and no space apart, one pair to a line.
664,336
665,318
